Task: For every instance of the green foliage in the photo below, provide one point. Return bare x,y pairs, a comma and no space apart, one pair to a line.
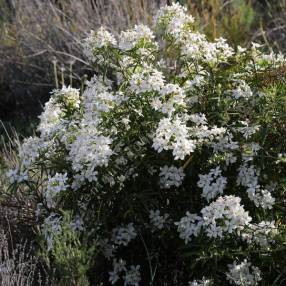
71,256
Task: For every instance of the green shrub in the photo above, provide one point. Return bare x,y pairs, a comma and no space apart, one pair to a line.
169,168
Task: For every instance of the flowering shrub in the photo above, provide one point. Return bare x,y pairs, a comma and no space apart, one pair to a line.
171,162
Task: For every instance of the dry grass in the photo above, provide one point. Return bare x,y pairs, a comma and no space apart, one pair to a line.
36,36
272,30
18,267
41,32
17,210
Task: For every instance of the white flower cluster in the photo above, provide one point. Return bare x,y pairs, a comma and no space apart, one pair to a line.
242,90
139,34
171,176
131,276
98,98
196,47
118,267
173,135
96,40
52,118
171,97
224,216
147,81
50,228
16,176
67,96
250,150
199,118
124,234
225,143
202,282
89,151
55,185
248,177
188,226
206,134
243,274
157,220
173,19
247,130
30,150
175,22
262,61
212,183
260,234
121,236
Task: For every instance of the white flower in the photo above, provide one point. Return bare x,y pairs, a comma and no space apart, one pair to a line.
225,215
68,96
50,119
171,97
113,277
247,131
242,90
100,39
212,183
206,134
197,81
132,276
55,185
107,248
243,274
130,38
16,176
203,282
173,19
147,81
241,49
195,47
172,134
124,234
260,234
250,151
89,151
199,118
50,228
189,225
118,267
157,220
225,143
98,98
260,197
30,150
248,177
171,176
